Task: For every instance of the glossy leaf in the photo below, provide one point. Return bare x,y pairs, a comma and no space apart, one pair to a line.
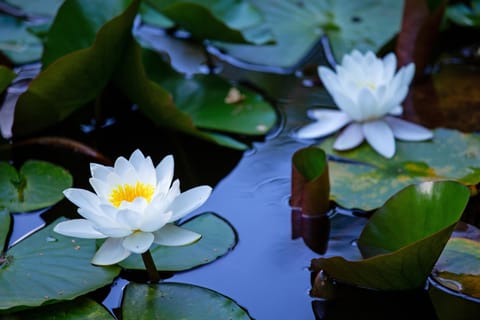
176,301
298,25
366,180
76,78
223,20
79,309
402,240
5,221
37,185
6,77
205,98
218,238
17,43
47,267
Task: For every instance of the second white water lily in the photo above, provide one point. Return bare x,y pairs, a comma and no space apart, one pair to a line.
134,206
369,94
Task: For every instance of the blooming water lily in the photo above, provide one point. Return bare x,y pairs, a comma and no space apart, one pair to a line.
134,206
369,94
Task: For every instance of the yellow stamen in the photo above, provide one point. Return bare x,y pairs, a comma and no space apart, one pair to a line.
128,192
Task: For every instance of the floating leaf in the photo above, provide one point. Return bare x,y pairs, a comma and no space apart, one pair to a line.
366,180
19,45
78,309
5,221
37,185
76,78
218,237
402,240
40,271
298,25
176,301
223,20
205,99
6,77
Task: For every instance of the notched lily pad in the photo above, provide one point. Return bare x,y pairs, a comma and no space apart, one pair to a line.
177,301
369,180
401,241
37,185
218,238
47,267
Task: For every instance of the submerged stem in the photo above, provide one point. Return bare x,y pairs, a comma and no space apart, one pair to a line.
153,274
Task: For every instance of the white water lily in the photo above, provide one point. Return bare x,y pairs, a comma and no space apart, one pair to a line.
134,206
369,94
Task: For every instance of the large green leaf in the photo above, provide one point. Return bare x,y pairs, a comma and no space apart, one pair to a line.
5,221
78,309
218,238
369,180
178,301
19,45
203,98
298,25
76,78
402,240
47,267
6,77
224,20
37,185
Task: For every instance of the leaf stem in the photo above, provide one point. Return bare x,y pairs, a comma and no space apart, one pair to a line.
153,274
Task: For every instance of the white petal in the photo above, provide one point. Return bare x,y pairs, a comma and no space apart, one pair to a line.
350,138
79,228
154,220
328,121
138,242
188,201
144,167
389,66
368,106
82,198
396,111
379,135
164,174
328,78
130,218
111,252
100,171
114,232
171,235
405,130
101,188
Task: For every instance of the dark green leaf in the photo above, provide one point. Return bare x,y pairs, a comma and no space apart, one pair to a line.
5,221
406,237
176,301
74,79
47,267
6,77
38,185
218,238
366,185
78,309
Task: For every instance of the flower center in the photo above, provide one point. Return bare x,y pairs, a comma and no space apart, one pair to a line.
366,84
128,192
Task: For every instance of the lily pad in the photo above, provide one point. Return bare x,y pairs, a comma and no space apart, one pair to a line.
47,267
176,301
224,20
5,221
218,238
366,180
402,240
298,25
37,185
17,43
79,309
458,267
77,78
211,102
6,77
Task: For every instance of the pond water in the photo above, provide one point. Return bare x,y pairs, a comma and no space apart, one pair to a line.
267,272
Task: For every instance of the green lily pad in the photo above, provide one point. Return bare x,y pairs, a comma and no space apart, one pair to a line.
6,77
19,45
152,17
44,8
203,98
402,240
79,309
77,78
176,301
5,221
224,20
458,267
47,267
37,185
369,180
298,25
218,238
463,14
